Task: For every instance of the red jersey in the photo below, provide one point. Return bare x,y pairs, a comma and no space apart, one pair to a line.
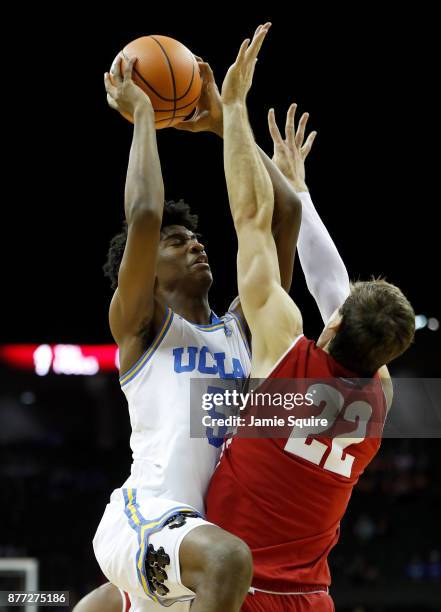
285,497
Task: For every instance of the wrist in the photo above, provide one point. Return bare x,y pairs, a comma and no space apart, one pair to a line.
299,186
232,112
305,199
143,109
234,105
218,129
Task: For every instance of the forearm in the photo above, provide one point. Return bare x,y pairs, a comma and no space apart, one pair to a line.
325,272
286,219
249,186
144,190
286,198
285,193
287,213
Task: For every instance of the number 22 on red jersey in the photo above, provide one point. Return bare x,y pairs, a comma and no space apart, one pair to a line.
337,461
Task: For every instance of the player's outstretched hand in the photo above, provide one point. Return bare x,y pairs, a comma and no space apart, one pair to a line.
290,152
239,77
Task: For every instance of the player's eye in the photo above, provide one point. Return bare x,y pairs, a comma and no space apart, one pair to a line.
176,242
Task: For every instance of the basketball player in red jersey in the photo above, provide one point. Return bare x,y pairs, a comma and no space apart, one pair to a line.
285,497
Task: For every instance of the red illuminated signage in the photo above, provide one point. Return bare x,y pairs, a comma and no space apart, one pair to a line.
43,359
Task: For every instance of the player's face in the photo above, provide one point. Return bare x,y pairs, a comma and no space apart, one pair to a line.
182,258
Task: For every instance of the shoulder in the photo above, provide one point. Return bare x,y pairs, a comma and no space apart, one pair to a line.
291,358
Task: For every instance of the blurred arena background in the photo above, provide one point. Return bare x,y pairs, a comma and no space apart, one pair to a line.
64,426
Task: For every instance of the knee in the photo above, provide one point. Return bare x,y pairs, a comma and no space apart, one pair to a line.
210,556
230,561
225,574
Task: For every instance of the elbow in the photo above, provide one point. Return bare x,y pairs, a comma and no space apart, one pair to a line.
144,199
251,216
143,211
245,215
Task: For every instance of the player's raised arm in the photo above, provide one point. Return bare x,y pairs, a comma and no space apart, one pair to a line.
133,304
325,272
273,318
286,219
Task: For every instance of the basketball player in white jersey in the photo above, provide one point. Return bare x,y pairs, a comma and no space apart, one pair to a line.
324,270
152,541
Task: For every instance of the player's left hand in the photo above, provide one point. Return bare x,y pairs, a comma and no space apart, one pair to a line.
239,77
290,153
208,116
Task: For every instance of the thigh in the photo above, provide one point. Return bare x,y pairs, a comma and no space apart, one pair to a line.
137,545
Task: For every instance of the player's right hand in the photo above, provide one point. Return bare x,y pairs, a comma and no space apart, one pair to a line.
122,92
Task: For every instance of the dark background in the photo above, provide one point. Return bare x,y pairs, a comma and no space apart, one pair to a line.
368,80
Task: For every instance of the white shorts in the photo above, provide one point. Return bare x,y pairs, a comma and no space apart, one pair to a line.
138,553
142,605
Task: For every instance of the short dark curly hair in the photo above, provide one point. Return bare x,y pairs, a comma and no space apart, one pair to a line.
175,213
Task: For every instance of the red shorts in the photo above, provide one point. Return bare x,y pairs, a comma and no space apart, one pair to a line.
307,602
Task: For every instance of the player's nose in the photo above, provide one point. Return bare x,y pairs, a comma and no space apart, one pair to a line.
196,247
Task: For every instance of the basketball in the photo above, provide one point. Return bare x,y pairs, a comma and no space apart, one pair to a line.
169,74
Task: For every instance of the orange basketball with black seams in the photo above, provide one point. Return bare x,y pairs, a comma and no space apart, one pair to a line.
169,74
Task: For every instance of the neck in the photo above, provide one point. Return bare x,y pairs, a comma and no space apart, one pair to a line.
194,308
323,345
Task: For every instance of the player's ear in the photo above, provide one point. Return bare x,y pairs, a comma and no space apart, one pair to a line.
334,322
332,327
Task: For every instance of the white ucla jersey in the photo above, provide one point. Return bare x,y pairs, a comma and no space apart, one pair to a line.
166,460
